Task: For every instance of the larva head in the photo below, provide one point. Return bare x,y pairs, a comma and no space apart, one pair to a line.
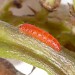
24,28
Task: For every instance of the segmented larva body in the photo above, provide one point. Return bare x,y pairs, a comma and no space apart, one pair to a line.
40,34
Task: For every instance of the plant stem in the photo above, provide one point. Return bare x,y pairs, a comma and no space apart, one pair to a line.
16,45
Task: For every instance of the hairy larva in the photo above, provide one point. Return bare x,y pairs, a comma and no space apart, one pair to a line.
41,35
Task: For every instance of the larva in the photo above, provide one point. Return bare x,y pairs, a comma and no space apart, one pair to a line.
41,35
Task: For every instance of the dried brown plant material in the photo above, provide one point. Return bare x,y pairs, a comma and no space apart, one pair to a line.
17,3
6,68
50,4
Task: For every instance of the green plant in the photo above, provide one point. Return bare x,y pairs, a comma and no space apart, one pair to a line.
15,45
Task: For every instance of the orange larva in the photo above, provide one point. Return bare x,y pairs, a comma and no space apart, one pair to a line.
40,34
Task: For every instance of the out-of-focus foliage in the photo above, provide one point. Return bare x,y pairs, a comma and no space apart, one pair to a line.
15,45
